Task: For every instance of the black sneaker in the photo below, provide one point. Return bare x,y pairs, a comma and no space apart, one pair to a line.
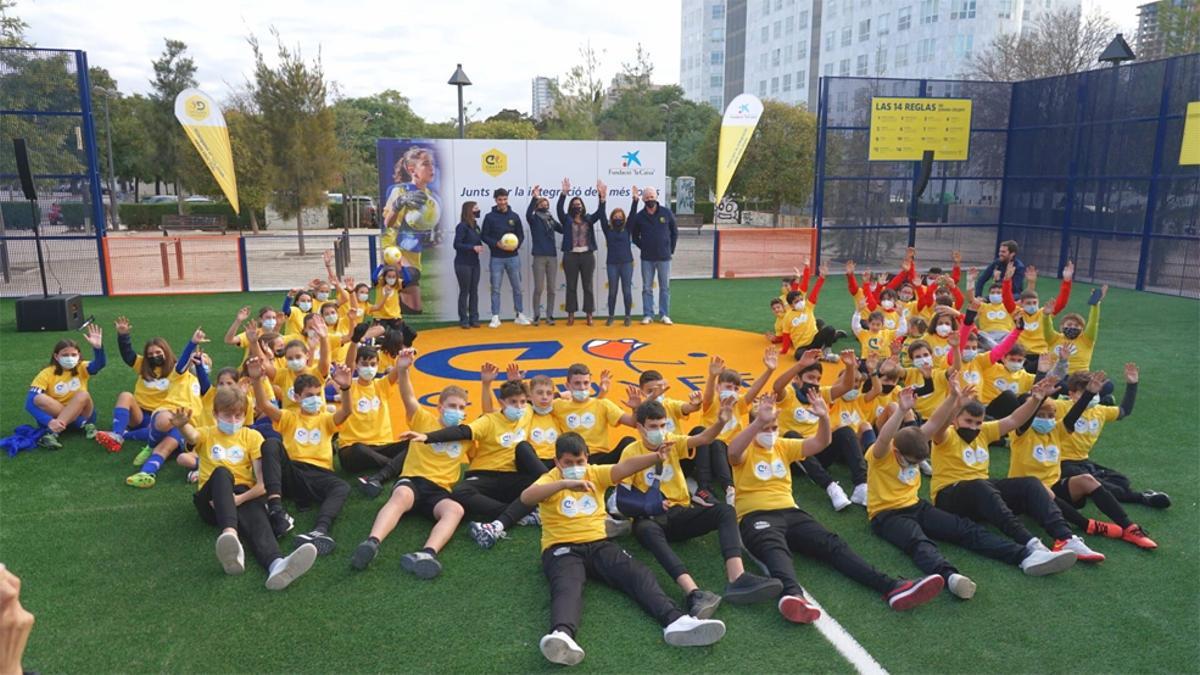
704,497
421,564
364,553
839,334
751,588
1156,499
322,541
281,522
702,604
369,487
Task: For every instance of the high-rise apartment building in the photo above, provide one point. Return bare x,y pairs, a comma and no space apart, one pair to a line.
543,97
1152,33
702,51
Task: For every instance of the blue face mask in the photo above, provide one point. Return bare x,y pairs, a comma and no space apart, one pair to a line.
304,306
1043,425
580,394
655,437
576,472
268,324
513,413
228,428
452,417
311,404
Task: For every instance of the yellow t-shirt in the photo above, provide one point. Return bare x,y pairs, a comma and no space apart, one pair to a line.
993,318
925,405
1032,337
496,439
971,372
590,419
572,517
1078,446
240,340
797,416
369,421
391,304
891,317
843,413
673,484
1036,455
543,433
308,438
876,342
675,415
438,462
764,480
204,417
61,387
285,378
293,326
871,410
151,395
741,415
940,347
235,452
1078,351
801,325
955,460
889,486
997,378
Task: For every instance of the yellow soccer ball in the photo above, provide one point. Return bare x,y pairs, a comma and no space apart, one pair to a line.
392,255
508,242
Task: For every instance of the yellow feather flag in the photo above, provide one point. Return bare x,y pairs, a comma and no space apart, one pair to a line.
205,126
741,117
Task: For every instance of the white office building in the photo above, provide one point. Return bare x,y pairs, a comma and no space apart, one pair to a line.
782,50
543,97
702,51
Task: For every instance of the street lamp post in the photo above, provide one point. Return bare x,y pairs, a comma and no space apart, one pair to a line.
459,79
666,109
112,186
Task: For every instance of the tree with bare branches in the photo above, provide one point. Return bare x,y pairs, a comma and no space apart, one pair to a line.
1058,43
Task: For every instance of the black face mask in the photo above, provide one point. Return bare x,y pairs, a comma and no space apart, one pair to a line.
888,388
575,210
279,353
651,203
156,361
543,209
1072,332
475,213
618,222
967,435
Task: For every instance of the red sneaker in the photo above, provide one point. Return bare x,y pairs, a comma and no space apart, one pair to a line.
795,609
910,594
109,441
1110,530
1135,535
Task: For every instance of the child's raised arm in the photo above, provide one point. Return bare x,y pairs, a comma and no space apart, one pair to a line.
263,399
770,363
231,333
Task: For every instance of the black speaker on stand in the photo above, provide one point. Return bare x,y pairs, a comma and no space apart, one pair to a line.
45,312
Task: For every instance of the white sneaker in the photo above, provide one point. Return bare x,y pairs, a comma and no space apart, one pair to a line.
961,586
647,319
1083,553
667,320
230,553
558,647
730,495
859,496
926,467
1043,561
610,504
614,528
687,631
522,320
286,570
495,322
532,519
837,497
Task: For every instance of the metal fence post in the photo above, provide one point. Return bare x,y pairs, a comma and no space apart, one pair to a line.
242,267
1164,105
93,171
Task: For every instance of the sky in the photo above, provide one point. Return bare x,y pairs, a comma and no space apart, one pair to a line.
367,47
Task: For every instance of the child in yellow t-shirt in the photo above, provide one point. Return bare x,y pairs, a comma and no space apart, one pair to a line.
58,397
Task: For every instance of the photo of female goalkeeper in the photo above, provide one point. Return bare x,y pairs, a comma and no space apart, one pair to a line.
411,211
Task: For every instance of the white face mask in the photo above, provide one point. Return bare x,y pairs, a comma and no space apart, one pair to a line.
726,394
799,304
995,298
969,354
1014,366
322,297
580,394
1031,308
363,297
766,439
543,411
390,281
943,329
268,324
295,365
68,362
850,395
304,306
655,437
576,472
923,361
331,319
368,372
888,304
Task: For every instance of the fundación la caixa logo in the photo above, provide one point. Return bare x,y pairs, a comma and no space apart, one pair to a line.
493,162
631,165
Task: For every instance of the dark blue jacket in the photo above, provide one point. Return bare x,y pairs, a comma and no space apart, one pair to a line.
466,238
568,225
985,277
542,232
618,240
655,234
496,225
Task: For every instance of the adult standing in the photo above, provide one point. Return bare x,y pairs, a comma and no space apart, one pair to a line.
542,227
498,222
1007,254
579,249
654,232
619,260
467,246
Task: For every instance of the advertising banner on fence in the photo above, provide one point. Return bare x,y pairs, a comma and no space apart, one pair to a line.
425,187
205,125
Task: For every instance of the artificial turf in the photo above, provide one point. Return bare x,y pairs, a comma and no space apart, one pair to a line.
125,580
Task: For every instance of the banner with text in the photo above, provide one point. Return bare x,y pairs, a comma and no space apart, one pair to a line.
903,129
425,184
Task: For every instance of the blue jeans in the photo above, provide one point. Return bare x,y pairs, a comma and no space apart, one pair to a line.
620,274
663,269
497,267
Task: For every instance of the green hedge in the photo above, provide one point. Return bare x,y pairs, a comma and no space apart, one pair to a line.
74,214
149,216
17,215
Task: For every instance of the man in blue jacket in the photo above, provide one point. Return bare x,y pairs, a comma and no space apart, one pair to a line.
655,234
500,221
542,227
1007,254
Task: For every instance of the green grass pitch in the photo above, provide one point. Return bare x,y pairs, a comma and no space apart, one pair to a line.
125,580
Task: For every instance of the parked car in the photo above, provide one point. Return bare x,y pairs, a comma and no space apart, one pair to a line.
198,199
161,199
367,215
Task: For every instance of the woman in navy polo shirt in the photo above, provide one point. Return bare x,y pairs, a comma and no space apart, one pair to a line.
467,247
